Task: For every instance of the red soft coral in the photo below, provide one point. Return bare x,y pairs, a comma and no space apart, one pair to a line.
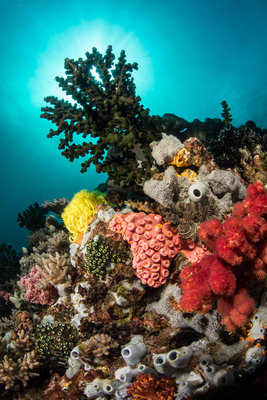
203,281
234,248
255,189
239,210
254,227
257,205
236,310
221,279
209,232
259,267
197,293
191,301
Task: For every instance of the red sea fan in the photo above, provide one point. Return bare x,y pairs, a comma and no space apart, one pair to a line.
149,387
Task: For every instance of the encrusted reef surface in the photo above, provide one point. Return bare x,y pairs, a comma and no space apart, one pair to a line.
154,288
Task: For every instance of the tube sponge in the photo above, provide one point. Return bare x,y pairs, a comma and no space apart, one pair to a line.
80,211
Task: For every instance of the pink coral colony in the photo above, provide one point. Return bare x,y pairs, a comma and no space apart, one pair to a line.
153,242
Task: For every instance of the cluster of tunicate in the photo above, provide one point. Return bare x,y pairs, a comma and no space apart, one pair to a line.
99,256
55,340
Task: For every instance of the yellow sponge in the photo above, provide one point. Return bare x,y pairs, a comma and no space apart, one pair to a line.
80,212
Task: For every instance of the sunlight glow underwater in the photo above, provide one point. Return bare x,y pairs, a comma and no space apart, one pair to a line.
74,43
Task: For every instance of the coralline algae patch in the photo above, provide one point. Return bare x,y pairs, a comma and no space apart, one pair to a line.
154,243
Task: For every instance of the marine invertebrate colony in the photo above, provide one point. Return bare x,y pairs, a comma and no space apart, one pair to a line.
153,243
99,256
131,297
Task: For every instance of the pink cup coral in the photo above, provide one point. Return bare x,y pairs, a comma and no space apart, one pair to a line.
153,242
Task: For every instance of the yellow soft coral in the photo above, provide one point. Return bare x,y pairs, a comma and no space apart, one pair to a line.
80,212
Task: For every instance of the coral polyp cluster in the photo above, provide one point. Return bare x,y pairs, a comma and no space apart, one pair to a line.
156,288
153,241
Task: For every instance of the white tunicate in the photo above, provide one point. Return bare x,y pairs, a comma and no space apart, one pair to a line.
125,374
109,386
223,377
185,390
93,388
209,370
74,366
205,360
87,367
179,358
197,191
75,353
121,392
144,369
134,351
195,379
188,384
162,365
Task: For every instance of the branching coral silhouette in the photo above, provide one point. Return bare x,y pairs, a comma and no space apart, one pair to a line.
106,108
